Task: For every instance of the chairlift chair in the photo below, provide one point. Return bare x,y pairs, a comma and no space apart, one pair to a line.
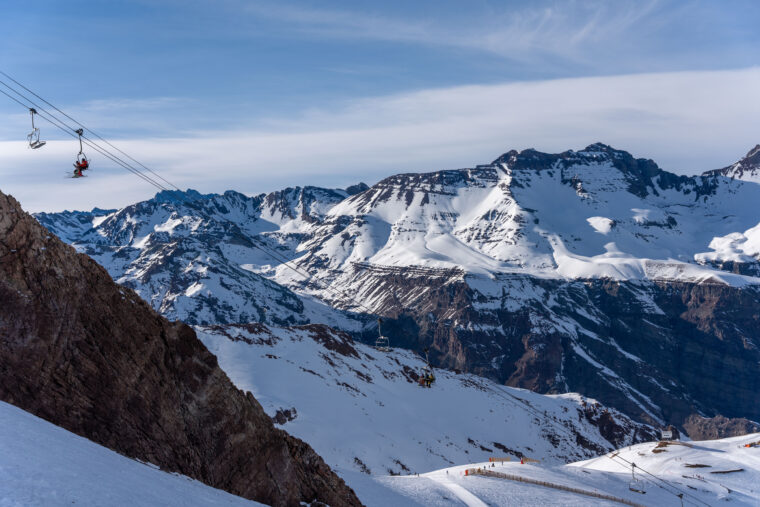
382,343
34,136
636,485
427,377
82,163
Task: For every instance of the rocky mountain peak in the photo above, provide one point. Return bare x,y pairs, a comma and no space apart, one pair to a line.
93,357
536,160
356,189
305,203
643,176
175,196
747,168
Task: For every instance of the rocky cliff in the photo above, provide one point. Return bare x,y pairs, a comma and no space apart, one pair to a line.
94,358
711,428
656,351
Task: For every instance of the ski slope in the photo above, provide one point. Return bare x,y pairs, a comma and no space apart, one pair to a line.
42,464
362,411
691,468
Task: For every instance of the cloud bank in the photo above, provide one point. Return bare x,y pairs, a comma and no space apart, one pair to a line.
687,122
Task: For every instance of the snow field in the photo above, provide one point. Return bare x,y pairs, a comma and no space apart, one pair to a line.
368,420
42,465
683,468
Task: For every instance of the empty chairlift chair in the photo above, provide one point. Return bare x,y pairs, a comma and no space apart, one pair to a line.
34,135
636,485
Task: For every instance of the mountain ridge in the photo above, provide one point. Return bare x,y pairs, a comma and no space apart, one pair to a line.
747,168
540,271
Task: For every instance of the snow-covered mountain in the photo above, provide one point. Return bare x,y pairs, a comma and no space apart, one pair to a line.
364,412
588,271
197,257
746,169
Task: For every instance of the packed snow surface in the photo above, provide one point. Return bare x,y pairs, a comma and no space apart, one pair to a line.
707,473
42,464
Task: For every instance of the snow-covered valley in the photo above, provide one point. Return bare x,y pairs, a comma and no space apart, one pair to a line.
705,473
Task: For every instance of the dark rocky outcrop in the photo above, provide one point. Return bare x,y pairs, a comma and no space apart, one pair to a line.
746,168
711,428
94,358
657,351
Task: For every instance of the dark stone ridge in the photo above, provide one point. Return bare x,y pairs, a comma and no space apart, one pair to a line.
356,189
90,356
747,166
711,428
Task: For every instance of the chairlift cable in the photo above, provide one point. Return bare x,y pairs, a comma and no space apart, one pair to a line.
92,132
52,119
91,143
309,279
68,132
685,493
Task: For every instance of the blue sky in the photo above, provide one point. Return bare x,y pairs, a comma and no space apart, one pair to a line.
259,95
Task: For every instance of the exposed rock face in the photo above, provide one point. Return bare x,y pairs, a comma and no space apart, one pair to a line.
94,358
656,351
711,428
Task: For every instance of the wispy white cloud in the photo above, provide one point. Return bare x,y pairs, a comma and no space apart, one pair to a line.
687,122
563,29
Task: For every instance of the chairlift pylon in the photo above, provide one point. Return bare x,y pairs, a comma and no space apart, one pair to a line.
34,135
382,343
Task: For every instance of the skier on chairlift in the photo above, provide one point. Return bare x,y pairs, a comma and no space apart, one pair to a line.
427,377
81,163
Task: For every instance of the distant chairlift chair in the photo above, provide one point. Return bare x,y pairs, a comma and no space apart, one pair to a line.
636,485
427,377
382,343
